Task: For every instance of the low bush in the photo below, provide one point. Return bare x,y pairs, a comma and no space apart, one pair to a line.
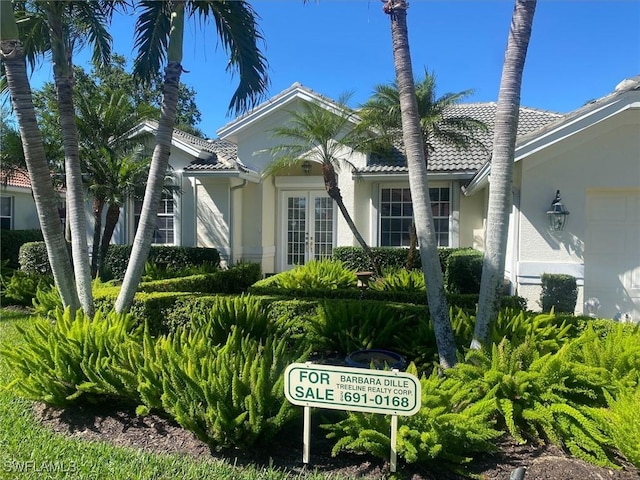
235,280
464,271
169,258
11,242
33,259
559,292
356,259
400,281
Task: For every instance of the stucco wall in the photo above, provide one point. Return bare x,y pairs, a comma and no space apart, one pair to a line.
25,216
604,155
212,216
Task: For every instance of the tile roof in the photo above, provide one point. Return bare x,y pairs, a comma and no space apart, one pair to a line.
447,158
15,178
224,154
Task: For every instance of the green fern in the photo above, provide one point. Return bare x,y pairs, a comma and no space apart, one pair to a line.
622,422
400,280
349,325
317,274
60,361
448,428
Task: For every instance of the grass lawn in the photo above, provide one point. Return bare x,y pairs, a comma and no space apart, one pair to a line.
30,451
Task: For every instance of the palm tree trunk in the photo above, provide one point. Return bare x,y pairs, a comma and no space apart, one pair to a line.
44,195
500,191
76,215
416,162
159,163
331,185
98,207
113,214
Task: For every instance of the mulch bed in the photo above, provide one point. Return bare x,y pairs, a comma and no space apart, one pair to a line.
122,427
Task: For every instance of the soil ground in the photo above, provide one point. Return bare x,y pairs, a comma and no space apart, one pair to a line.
152,433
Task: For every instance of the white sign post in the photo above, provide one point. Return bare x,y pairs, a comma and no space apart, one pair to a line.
345,388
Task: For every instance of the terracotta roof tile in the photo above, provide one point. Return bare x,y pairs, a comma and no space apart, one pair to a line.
15,178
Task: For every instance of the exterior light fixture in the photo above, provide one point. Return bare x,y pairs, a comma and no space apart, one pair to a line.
306,167
557,214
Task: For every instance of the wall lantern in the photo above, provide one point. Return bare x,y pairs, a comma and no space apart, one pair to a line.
306,167
557,214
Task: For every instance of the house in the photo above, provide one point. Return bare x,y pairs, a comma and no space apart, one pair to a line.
591,156
17,208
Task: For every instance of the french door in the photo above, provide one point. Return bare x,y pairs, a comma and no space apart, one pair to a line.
309,226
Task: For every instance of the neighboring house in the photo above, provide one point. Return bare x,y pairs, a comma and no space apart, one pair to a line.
17,208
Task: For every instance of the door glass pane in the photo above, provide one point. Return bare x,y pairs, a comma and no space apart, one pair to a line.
323,228
296,229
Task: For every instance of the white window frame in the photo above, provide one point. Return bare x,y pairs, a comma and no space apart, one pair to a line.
164,212
439,219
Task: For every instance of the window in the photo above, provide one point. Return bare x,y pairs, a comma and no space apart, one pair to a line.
396,216
163,233
6,213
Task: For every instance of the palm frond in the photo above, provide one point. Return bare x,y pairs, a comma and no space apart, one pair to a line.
151,38
92,19
237,29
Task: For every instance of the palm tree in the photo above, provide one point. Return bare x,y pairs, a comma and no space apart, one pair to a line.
159,34
417,165
504,142
59,27
320,135
13,57
382,113
113,161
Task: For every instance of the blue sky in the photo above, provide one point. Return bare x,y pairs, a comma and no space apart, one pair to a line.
579,50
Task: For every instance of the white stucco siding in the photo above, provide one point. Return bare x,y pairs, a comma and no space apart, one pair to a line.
212,216
471,221
605,155
24,213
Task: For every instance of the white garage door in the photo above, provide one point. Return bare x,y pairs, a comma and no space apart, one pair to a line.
612,251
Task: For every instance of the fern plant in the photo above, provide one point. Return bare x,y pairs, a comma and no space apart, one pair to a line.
349,325
232,395
321,274
245,312
623,423
60,361
400,280
542,396
617,353
448,428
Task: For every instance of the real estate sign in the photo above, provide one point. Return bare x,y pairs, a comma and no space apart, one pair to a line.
357,389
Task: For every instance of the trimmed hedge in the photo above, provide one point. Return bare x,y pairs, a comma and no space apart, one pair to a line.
235,280
171,257
12,240
465,301
464,271
354,258
33,258
559,291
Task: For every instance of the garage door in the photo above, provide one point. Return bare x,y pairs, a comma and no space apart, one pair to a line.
612,251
